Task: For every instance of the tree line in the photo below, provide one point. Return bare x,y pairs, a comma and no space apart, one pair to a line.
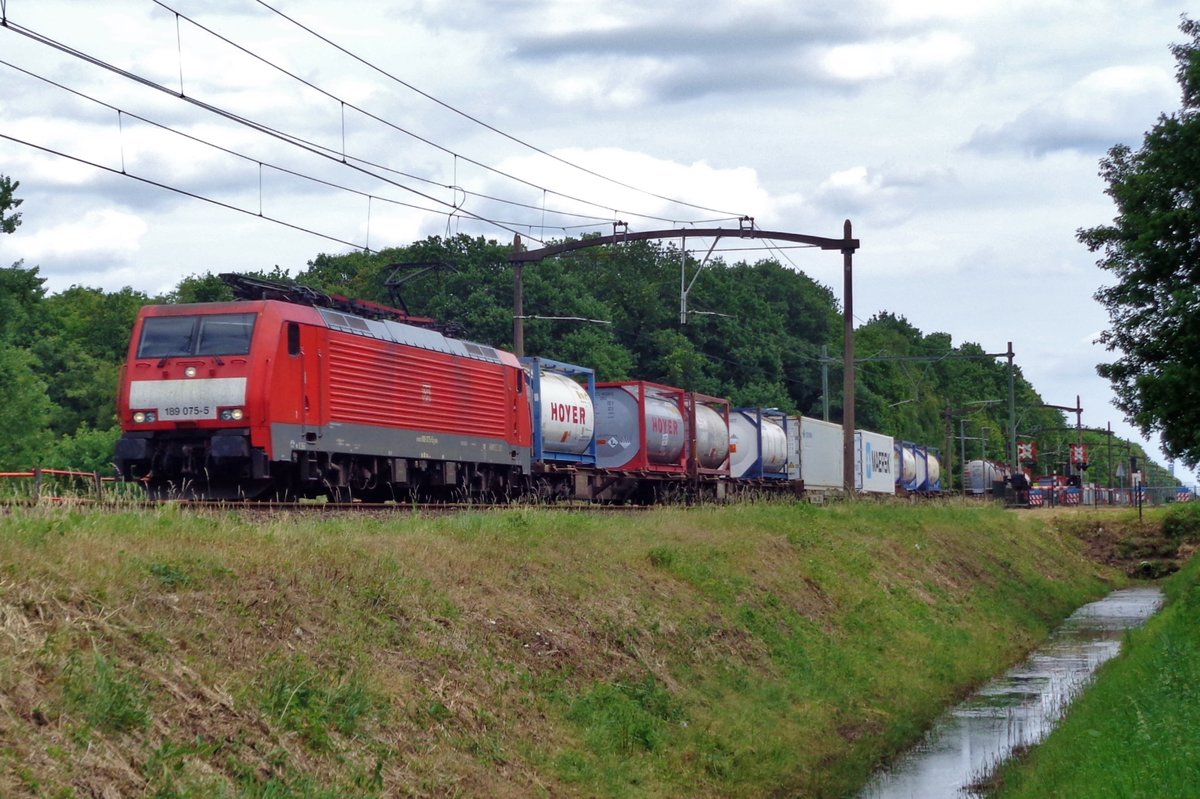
762,334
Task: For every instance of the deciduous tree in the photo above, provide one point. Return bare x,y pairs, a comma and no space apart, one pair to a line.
9,218
1152,248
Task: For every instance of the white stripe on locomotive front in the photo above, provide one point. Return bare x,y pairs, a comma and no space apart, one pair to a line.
204,393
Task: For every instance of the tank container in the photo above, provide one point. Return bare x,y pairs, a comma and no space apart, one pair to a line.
563,411
981,475
639,425
712,437
933,472
567,415
758,444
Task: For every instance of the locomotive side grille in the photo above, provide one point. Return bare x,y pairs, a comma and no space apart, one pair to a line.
415,389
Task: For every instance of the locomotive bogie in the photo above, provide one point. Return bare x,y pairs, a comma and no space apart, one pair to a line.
374,478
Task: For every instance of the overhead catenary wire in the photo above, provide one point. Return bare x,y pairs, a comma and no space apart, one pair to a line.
455,208
295,141
178,190
313,147
204,198
483,124
121,113
424,140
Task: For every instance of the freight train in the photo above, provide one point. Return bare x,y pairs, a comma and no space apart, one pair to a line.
290,393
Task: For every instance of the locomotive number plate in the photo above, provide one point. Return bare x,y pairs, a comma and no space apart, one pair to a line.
170,412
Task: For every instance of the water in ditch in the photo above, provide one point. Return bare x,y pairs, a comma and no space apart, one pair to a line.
1017,709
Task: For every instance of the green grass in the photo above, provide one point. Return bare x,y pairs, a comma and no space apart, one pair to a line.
107,699
299,696
752,650
1134,733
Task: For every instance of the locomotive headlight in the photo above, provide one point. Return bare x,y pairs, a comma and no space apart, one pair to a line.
139,417
189,372
145,417
151,417
232,415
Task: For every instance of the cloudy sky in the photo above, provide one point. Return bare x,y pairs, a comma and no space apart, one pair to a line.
962,139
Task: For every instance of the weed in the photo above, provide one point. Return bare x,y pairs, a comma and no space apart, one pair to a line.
662,557
438,711
623,717
108,700
303,699
1181,523
170,575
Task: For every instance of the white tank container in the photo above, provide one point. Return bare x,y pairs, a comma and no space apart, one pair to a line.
906,465
568,418
619,427
744,434
981,475
933,470
712,437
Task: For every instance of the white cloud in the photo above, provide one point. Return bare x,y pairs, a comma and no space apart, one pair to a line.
857,182
1110,105
867,61
611,85
737,190
905,11
105,234
884,195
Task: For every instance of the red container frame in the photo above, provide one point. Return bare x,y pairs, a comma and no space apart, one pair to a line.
678,397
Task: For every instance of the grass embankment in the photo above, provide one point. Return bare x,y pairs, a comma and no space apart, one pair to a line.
1133,733
751,651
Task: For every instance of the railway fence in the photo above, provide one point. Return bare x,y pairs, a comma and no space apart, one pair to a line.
39,483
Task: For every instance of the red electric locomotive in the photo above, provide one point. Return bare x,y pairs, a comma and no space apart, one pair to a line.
267,397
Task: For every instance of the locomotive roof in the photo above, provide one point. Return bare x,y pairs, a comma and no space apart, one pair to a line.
382,330
408,335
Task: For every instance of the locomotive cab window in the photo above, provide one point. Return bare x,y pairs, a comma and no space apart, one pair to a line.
216,334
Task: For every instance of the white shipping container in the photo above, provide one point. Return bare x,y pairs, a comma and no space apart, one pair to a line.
793,448
820,454
875,464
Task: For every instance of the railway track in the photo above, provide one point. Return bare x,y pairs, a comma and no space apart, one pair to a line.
319,508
